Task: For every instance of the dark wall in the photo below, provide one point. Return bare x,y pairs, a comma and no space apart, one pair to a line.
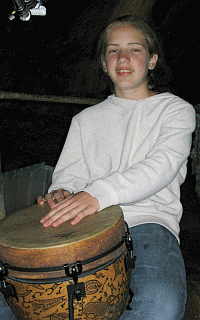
33,132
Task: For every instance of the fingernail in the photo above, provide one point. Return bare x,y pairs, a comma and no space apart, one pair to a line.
45,224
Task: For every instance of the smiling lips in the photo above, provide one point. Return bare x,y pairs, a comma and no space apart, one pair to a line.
124,71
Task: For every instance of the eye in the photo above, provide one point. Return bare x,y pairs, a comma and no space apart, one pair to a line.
112,51
135,50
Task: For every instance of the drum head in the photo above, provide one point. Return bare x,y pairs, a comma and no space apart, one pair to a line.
24,242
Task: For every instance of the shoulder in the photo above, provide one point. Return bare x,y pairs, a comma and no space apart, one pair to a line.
176,109
97,110
172,99
171,102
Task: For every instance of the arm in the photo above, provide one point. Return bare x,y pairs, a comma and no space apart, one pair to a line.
70,175
160,166
71,172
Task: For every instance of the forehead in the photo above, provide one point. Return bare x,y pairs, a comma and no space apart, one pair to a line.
125,33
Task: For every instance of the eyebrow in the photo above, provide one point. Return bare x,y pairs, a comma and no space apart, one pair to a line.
131,43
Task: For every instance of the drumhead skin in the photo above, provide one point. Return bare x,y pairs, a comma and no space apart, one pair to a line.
25,243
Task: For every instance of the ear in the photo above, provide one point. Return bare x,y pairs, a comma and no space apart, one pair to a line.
153,60
104,66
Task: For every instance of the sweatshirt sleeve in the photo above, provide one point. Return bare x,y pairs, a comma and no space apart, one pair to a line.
71,172
158,169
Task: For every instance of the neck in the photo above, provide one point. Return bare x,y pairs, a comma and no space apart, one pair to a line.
134,94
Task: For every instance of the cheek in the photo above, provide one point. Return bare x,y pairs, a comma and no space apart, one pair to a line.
109,65
142,63
110,61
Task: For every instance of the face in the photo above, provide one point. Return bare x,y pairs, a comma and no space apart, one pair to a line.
127,60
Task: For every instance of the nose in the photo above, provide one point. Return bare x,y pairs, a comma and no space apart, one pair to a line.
123,56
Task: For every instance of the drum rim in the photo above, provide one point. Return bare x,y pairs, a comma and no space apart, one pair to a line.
66,278
58,268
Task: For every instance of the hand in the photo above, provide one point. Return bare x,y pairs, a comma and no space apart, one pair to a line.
54,197
75,207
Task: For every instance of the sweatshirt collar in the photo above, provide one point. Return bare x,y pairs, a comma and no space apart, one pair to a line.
127,104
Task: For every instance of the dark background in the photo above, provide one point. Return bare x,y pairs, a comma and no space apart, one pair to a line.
50,54
53,55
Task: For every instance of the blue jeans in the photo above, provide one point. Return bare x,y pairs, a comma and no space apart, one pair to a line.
5,311
158,280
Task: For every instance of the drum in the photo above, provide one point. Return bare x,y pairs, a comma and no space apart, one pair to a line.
68,272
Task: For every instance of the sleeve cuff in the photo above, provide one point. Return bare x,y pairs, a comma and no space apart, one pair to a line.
104,192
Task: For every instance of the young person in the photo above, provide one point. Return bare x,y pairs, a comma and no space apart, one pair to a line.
132,150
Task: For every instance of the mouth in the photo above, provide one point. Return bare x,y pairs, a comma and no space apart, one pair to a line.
124,71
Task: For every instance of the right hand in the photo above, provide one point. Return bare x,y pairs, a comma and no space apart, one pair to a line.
54,197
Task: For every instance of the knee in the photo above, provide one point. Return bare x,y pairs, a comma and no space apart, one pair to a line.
5,311
167,302
159,301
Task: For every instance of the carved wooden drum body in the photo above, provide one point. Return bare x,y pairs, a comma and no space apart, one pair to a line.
68,272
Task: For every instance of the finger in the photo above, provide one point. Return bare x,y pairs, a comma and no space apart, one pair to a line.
47,219
64,211
50,199
61,216
58,195
57,211
82,214
41,200
67,211
69,208
66,193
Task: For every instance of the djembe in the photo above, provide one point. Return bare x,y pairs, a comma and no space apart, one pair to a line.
68,272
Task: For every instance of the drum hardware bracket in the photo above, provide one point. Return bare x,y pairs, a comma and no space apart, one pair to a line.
74,272
129,259
130,262
6,288
3,271
75,290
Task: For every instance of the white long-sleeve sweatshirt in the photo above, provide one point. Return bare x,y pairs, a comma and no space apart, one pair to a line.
131,153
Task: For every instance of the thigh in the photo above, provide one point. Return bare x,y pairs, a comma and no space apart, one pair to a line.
5,311
158,281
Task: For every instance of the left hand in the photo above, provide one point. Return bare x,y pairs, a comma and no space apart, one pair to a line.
53,197
76,207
